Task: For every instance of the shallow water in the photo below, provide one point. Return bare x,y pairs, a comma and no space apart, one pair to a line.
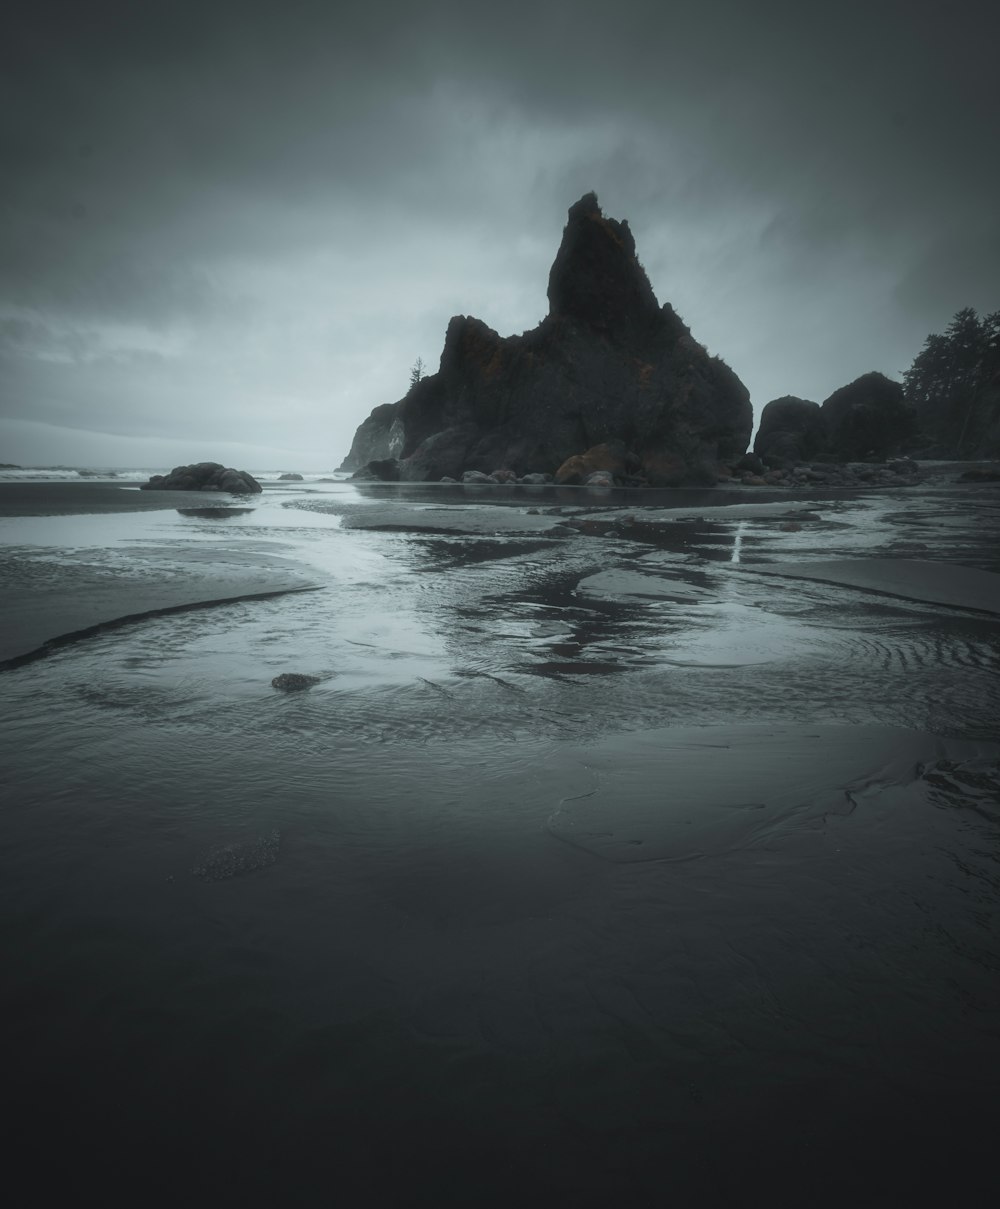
347,941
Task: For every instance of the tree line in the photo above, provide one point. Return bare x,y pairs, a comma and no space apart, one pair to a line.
954,386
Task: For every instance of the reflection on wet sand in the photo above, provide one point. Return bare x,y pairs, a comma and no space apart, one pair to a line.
594,852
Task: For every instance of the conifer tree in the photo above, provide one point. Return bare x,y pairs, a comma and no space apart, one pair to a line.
954,381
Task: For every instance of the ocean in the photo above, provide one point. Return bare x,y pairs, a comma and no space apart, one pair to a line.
628,847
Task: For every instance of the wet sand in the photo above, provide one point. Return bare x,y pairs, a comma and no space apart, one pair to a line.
954,586
67,499
595,870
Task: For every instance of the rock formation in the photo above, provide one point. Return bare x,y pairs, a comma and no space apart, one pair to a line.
865,421
791,430
379,438
205,476
607,364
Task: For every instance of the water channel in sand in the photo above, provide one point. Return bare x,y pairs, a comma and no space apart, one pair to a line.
590,863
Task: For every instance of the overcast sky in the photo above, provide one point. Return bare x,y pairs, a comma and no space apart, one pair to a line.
229,229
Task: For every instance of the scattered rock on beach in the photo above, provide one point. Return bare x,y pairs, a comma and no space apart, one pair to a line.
904,472
205,476
290,682
291,477
981,474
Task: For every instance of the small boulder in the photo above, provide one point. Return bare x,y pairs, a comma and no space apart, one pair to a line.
290,682
904,466
291,477
663,468
477,476
611,457
751,463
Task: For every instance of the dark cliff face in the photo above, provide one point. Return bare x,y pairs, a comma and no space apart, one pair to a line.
375,438
607,363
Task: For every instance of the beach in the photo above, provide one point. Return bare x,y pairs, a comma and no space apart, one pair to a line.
629,845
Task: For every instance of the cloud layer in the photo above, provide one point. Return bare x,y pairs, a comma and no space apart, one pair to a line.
232,229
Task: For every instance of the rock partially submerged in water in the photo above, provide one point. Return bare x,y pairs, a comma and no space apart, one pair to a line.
205,476
291,682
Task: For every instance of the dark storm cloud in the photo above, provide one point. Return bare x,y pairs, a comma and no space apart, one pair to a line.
269,181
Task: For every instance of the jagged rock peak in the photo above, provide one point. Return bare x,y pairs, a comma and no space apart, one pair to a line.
607,368
596,278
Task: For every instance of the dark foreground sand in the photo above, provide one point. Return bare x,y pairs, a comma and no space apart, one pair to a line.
594,872
913,579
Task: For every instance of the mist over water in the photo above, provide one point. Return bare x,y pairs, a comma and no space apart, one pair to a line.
439,920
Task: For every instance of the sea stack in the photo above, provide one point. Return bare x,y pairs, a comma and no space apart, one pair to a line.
607,365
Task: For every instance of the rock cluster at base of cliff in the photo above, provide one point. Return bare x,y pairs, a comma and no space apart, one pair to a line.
607,366
204,476
903,472
748,471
